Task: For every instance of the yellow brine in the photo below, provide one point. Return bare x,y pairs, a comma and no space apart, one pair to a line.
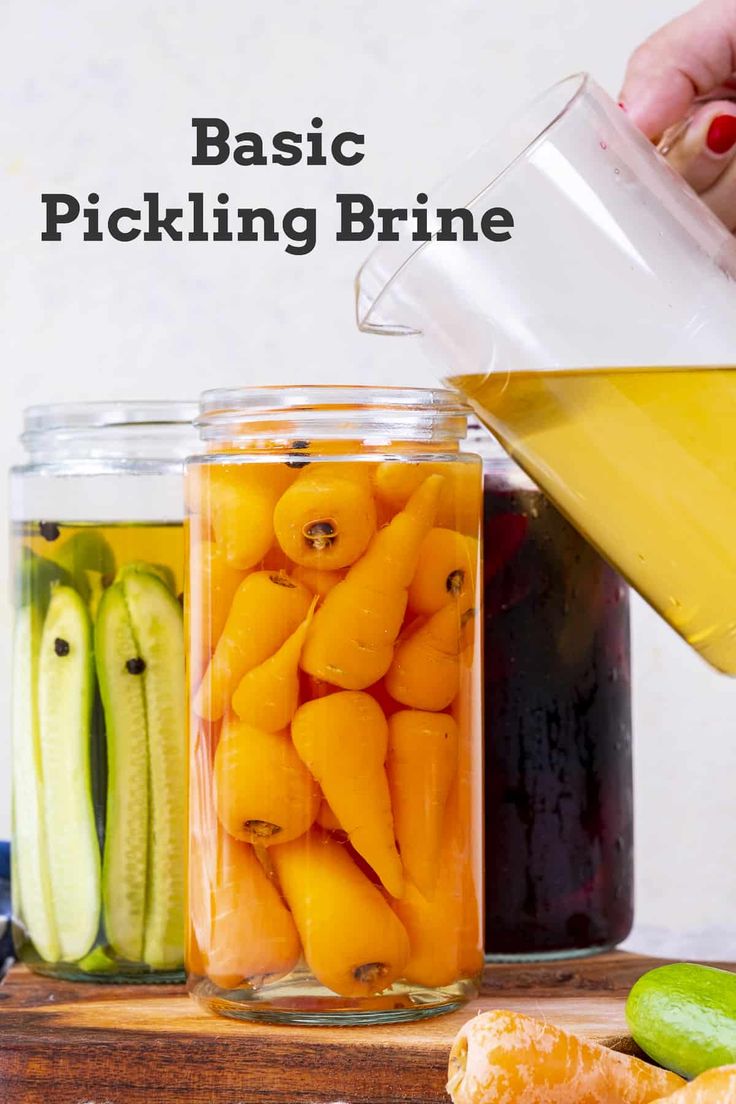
643,462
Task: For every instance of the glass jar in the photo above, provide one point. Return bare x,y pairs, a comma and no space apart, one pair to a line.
99,711
558,779
335,804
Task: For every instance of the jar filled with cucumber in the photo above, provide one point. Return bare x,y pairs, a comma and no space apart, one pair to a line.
99,698
335,851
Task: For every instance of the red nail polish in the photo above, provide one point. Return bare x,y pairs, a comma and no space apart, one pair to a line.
722,134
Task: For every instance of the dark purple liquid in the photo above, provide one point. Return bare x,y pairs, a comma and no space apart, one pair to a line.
559,862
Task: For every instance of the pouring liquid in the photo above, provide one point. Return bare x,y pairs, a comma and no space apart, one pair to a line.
643,462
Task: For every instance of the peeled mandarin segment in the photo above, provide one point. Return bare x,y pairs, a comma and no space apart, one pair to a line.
445,572
268,695
241,500
325,519
254,938
716,1086
425,672
319,582
501,1056
343,740
351,640
263,792
353,943
421,765
266,609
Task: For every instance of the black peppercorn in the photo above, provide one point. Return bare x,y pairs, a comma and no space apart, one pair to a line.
135,666
298,462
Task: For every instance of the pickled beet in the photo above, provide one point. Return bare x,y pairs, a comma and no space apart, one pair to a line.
559,862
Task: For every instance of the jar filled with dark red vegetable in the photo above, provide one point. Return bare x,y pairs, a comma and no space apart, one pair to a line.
558,780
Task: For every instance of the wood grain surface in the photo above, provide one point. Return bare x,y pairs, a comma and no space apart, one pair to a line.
66,1043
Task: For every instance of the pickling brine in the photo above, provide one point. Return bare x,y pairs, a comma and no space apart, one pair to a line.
334,867
643,462
99,701
99,786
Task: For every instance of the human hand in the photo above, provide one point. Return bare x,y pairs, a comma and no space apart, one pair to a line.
694,56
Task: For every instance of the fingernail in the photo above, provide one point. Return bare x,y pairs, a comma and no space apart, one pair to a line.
721,135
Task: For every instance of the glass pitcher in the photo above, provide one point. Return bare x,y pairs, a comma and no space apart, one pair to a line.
597,343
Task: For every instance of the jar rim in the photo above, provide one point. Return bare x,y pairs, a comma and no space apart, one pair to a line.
49,417
333,411
221,403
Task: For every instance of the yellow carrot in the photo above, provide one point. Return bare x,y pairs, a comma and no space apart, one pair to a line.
267,608
319,582
263,792
254,939
715,1086
459,506
240,500
343,740
502,1057
327,819
351,639
421,764
352,941
213,583
425,672
444,929
326,518
267,696
445,571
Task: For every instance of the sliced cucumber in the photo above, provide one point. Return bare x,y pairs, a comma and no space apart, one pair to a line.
98,961
157,621
32,903
124,864
161,571
65,685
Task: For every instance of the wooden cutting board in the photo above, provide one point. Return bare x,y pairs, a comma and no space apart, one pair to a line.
66,1043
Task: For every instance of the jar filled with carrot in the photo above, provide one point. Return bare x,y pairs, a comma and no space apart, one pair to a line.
335,808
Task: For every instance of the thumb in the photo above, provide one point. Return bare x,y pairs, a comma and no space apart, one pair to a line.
691,56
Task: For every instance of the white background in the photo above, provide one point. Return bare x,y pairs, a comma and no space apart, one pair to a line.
100,97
